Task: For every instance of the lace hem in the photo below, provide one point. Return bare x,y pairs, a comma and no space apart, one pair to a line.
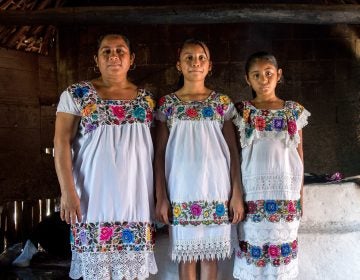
244,271
114,266
210,249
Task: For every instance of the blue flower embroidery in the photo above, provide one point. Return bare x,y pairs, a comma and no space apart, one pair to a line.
72,240
285,250
207,112
220,210
270,206
81,91
255,252
256,218
127,236
139,113
90,127
278,124
248,132
83,238
168,111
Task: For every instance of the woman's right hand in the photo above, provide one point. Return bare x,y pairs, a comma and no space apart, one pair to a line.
162,211
70,207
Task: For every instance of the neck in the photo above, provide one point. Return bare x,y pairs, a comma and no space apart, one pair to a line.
194,88
117,81
266,98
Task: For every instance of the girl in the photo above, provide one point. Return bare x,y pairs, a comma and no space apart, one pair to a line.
272,175
103,159
197,167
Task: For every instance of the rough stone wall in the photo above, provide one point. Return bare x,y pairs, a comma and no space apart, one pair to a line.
321,66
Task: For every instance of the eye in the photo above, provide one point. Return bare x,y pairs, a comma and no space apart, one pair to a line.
189,58
106,51
202,57
120,51
256,76
269,74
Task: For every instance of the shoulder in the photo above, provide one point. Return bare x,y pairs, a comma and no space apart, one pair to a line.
242,105
293,105
79,90
166,99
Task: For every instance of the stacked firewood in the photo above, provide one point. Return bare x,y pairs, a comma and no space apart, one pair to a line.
38,39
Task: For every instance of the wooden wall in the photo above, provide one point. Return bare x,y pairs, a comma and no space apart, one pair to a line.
321,65
28,92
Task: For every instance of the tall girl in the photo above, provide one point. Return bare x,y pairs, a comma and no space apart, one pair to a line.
197,167
272,175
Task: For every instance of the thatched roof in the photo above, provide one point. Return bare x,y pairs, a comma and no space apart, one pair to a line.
41,38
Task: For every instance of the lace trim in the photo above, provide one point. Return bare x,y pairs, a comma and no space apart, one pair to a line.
115,266
278,186
260,233
244,271
192,250
303,119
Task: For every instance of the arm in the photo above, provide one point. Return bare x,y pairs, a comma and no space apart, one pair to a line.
66,126
162,210
301,154
236,205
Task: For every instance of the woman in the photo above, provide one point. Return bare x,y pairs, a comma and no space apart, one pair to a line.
103,159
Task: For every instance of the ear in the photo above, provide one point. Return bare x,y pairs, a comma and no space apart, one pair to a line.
210,65
132,58
247,80
279,72
178,66
96,60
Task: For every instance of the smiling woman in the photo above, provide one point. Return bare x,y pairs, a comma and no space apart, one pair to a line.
99,126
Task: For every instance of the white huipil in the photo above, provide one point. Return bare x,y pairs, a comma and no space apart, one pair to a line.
197,170
272,174
112,169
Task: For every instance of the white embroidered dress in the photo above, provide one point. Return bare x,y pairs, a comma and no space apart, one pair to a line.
197,169
112,169
272,173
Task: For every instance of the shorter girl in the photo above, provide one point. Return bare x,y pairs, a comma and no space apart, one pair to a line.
197,160
272,175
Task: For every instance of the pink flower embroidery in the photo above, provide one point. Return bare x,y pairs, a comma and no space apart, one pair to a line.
294,245
291,207
287,260
119,112
251,205
260,123
220,110
274,251
191,112
196,209
261,263
106,233
292,127
161,101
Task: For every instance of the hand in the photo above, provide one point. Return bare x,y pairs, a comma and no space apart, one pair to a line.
70,208
162,211
236,209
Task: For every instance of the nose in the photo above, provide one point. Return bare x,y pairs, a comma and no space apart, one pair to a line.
195,62
113,56
264,79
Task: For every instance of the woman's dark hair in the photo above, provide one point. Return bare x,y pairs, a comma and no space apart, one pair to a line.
255,57
102,37
190,41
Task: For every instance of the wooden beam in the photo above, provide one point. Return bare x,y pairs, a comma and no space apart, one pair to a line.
190,14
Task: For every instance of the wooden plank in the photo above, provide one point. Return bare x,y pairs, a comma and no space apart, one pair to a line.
188,14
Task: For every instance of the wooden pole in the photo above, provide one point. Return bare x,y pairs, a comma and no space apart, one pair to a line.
190,14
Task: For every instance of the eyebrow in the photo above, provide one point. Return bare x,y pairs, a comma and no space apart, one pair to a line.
108,47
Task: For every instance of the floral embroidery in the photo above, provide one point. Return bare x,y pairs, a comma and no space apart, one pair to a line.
96,112
215,107
273,210
106,237
200,212
274,254
282,120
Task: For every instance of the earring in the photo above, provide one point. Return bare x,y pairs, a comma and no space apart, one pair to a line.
96,69
132,67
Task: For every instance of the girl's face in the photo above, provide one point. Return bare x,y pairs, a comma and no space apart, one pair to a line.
194,62
114,56
263,77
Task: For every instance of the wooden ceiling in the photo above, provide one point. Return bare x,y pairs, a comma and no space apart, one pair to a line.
30,25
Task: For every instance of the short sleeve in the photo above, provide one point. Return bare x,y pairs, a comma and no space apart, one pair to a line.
230,112
67,104
162,110
301,116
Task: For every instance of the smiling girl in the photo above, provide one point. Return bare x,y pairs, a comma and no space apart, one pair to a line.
197,167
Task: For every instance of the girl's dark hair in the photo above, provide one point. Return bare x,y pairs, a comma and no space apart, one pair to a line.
190,41
255,57
126,40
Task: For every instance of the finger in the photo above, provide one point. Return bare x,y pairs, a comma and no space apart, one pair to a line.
62,214
79,215
235,219
166,219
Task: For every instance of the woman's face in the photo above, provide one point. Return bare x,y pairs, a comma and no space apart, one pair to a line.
194,62
263,77
114,56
